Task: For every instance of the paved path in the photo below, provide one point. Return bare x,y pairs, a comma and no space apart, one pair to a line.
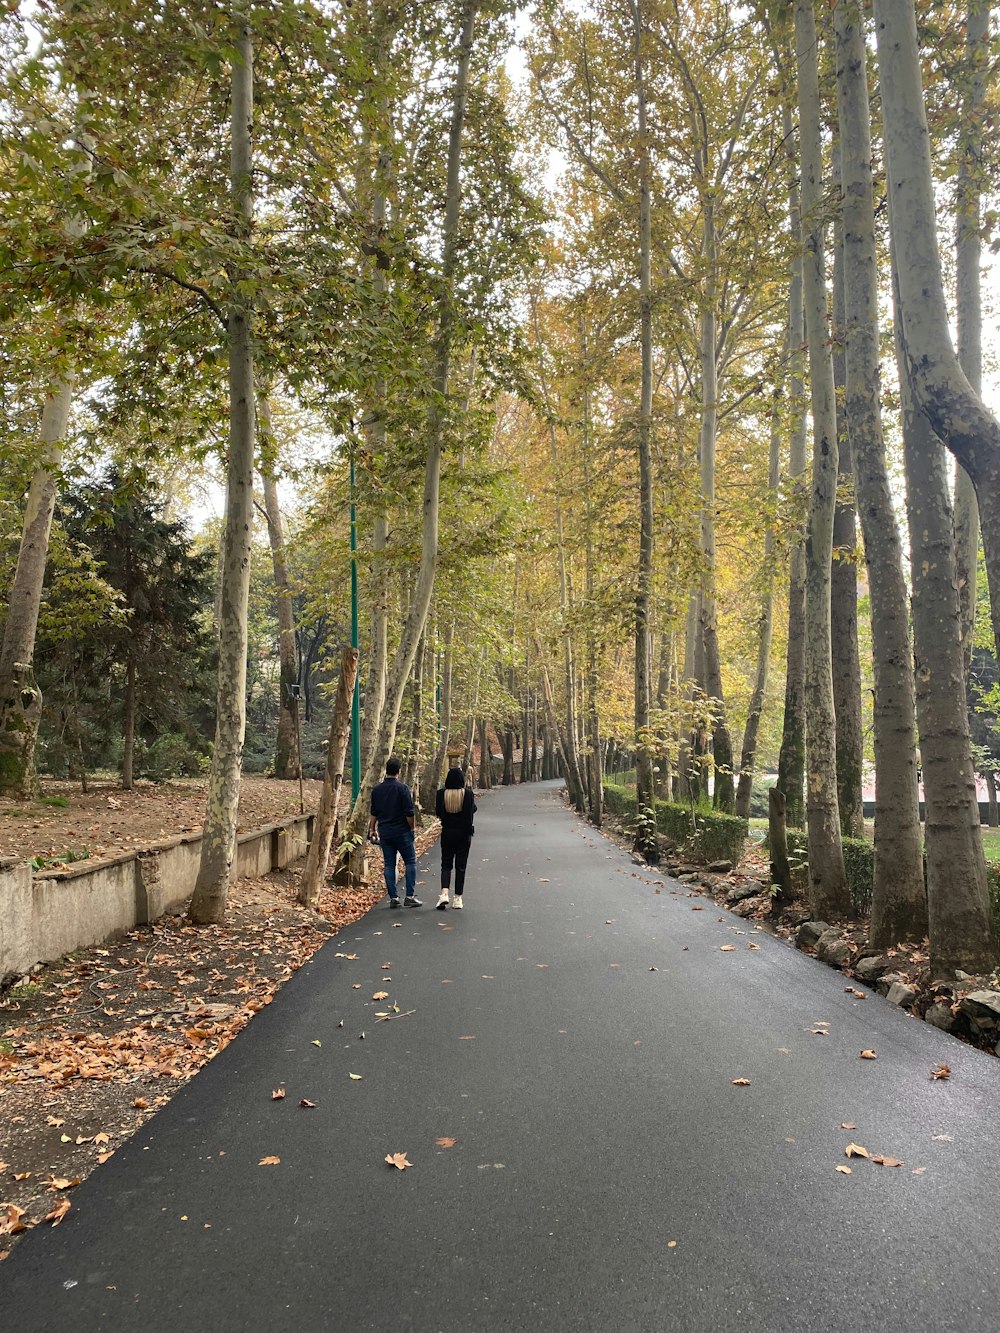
576,1033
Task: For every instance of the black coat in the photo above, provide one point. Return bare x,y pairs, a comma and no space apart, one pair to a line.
456,827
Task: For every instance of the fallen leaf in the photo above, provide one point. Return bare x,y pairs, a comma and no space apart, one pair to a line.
65,1138
59,1210
846,1124
103,1157
356,986
844,1170
727,948
446,1143
317,1043
740,1082
543,881
887,1161
855,1150
697,909
943,1138
358,1077
23,1175
868,1055
141,1104
10,1222
381,995
819,1032
61,1183
398,1159
307,1103
941,1071
751,945
467,1039
671,1245
918,1171
54,1120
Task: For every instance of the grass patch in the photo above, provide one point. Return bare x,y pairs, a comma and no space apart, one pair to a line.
63,859
55,802
22,992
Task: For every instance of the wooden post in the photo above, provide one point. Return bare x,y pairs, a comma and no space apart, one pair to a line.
326,816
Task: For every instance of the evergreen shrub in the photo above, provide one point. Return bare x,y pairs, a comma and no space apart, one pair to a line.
719,837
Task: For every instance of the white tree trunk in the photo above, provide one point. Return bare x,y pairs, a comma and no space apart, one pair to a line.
218,847
287,760
828,892
899,907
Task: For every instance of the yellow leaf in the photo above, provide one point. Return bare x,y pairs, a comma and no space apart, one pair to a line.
356,1076
855,1150
398,1159
269,1161
671,1245
317,1043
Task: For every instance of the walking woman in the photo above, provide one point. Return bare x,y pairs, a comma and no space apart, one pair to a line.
455,806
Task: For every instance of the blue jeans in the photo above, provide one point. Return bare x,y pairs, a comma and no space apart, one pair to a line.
398,840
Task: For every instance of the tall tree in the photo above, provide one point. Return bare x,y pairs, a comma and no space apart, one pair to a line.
828,891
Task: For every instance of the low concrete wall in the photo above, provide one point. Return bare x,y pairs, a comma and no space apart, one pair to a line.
52,912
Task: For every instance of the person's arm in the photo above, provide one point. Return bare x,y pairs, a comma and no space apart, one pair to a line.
372,825
411,814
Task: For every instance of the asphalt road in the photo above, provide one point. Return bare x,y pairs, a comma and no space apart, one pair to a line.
576,1033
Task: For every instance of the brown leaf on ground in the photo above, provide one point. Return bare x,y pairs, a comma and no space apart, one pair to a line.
141,1104
381,995
941,1072
10,1221
54,1120
727,948
740,1082
856,1150
868,1055
59,1210
847,1124
269,1161
445,1142
467,1038
887,1161
844,1170
277,1095
398,1160
307,1104
61,1183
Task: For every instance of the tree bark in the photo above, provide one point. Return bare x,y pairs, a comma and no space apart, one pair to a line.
968,296
828,892
792,754
553,729
287,761
954,409
128,721
644,579
324,826
218,844
435,767
446,322
991,797
844,574
899,904
777,841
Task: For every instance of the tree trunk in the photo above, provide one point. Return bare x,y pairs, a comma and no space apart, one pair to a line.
968,296
508,758
485,758
991,797
777,841
899,903
435,767
955,411
218,844
844,577
287,761
128,723
765,622
644,580
792,755
318,856
446,320
828,892
575,794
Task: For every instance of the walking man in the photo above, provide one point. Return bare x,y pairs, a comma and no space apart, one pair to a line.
391,824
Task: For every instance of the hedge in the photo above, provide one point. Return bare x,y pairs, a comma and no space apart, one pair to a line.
719,837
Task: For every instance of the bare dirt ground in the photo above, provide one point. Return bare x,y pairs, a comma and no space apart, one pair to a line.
106,821
92,1045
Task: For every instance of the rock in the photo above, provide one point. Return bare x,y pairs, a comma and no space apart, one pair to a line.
941,1016
902,994
870,969
720,867
888,980
741,891
686,868
982,1009
832,948
638,859
962,976
747,907
808,933
689,878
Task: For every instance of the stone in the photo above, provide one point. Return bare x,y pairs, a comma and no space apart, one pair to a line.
902,994
941,1016
833,949
747,907
888,980
720,867
741,891
870,969
808,933
982,1008
689,878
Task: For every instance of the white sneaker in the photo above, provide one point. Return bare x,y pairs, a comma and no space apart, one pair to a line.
457,902
442,901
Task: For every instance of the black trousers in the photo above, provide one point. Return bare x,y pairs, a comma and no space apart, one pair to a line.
454,851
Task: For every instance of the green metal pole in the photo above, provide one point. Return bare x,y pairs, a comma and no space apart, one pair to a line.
356,701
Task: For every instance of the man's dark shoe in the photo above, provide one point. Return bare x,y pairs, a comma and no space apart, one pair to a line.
412,902
393,902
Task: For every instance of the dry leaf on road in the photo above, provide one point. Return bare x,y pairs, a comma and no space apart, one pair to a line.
59,1210
847,1124
844,1170
277,1094
887,1161
269,1161
307,1103
445,1142
398,1159
727,948
381,995
356,1077
868,1055
942,1071
740,1082
856,1150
